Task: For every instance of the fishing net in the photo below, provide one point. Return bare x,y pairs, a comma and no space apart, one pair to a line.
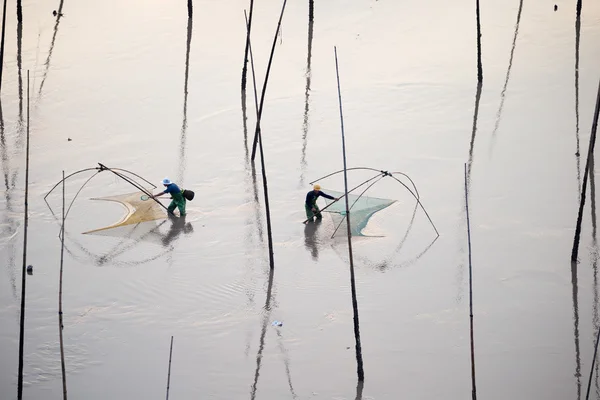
361,210
140,209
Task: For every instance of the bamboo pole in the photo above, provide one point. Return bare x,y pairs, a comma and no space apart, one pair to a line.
577,237
358,347
262,156
24,272
20,60
60,286
190,8
169,374
479,66
248,29
587,396
473,386
264,89
2,43
577,42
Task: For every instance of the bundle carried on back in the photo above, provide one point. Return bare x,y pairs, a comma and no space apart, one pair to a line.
188,194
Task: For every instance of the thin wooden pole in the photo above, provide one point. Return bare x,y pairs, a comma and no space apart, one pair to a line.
359,361
2,43
248,28
24,272
587,396
575,294
262,162
60,286
473,386
20,61
479,67
575,250
264,89
577,42
190,8
169,374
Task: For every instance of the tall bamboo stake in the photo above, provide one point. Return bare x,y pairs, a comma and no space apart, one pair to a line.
575,250
262,160
2,43
587,396
264,89
359,360
60,285
577,41
248,28
169,374
190,8
575,295
473,386
20,61
24,271
311,23
479,67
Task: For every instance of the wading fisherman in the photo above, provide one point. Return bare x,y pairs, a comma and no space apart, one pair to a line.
177,199
310,205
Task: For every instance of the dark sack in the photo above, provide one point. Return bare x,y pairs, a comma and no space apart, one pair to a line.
188,194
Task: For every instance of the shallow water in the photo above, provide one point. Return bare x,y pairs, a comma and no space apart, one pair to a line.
111,76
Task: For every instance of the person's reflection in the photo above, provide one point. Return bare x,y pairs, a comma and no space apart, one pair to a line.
310,239
178,226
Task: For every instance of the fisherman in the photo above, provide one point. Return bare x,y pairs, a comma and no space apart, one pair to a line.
310,205
176,195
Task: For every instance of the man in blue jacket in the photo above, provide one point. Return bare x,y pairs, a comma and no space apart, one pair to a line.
176,195
310,205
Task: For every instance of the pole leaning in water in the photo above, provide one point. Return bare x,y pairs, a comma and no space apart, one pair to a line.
587,396
190,8
24,272
2,43
262,165
264,89
575,251
473,386
359,360
60,282
479,66
169,374
248,28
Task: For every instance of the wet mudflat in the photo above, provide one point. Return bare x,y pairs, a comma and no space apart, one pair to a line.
111,76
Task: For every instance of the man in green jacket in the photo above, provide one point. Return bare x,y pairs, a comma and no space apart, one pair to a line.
310,204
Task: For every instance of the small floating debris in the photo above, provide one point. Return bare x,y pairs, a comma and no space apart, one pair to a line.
277,323
30,269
